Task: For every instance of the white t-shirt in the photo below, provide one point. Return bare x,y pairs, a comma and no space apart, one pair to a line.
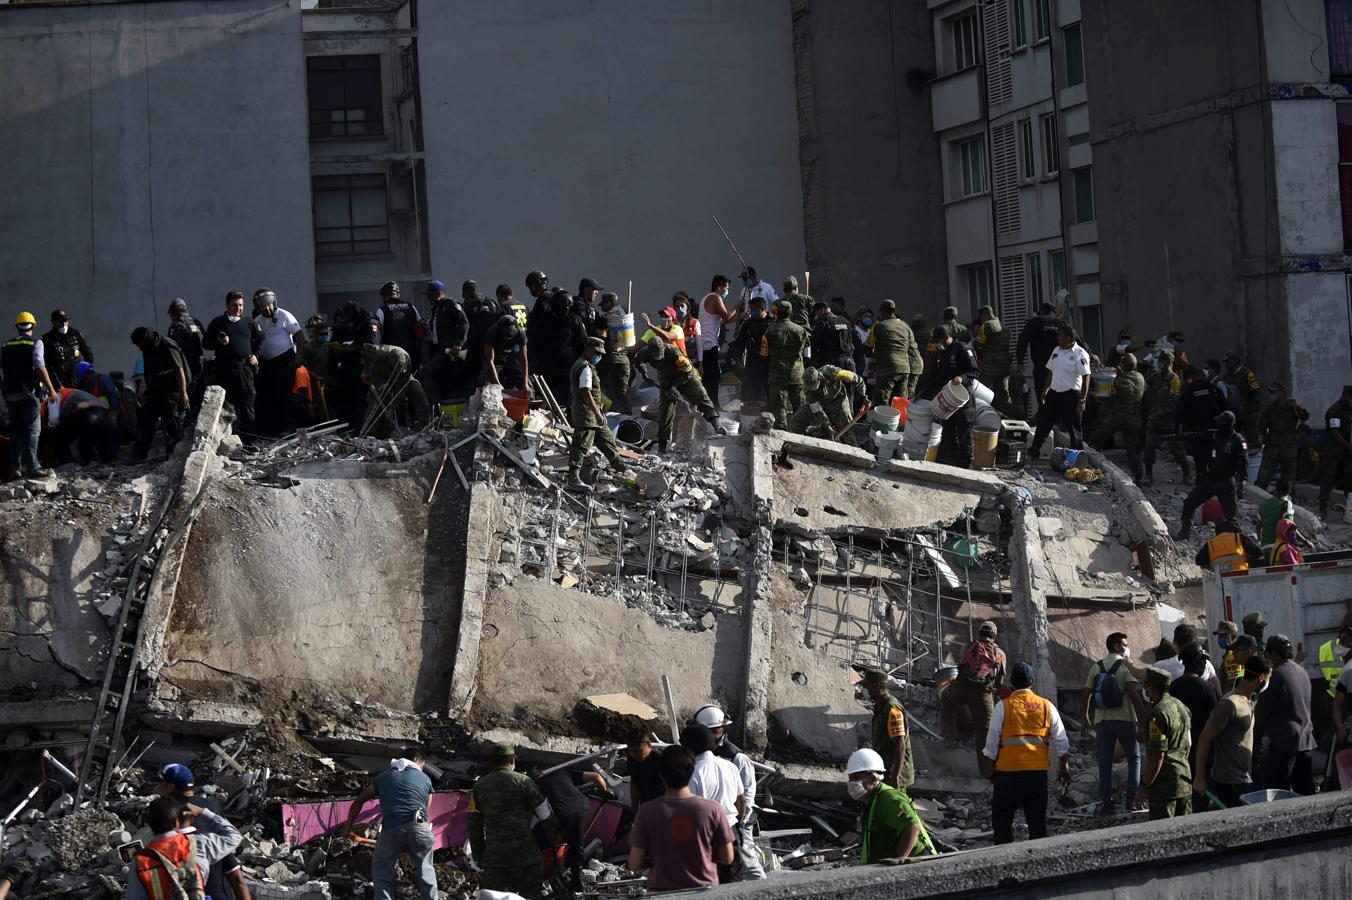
1174,666
717,780
277,332
1068,367
584,378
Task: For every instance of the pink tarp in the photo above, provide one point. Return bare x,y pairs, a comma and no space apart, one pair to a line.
302,822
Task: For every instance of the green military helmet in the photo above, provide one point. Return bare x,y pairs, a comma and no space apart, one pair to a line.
811,376
1158,677
1128,361
317,322
874,676
791,283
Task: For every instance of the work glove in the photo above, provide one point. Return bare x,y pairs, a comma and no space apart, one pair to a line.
53,410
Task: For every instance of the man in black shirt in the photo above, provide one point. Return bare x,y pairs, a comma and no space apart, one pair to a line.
506,362
189,334
953,363
563,339
450,351
399,320
1199,403
1220,473
645,783
570,809
755,368
1197,694
832,338
64,347
1039,335
236,340
166,399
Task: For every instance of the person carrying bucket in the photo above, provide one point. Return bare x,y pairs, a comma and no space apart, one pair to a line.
948,385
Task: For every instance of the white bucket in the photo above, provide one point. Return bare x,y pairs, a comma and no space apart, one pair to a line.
982,393
916,431
884,418
1256,463
951,399
986,417
888,443
936,435
620,326
731,425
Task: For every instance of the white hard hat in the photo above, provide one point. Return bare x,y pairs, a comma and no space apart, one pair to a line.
864,760
711,717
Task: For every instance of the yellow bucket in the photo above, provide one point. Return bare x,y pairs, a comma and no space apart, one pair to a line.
931,454
452,411
983,448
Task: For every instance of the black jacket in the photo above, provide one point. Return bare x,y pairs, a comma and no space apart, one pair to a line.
1039,335
949,362
1199,403
833,342
61,352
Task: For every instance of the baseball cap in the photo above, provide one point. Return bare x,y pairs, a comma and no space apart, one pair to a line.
1158,677
1231,354
668,312
176,774
1021,675
587,283
888,304
435,287
1225,418
59,315
1244,642
1276,386
178,304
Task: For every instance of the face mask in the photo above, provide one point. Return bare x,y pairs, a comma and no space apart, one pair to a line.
321,338
867,320
1224,642
747,282
757,313
856,790
63,329
1272,398
1126,653
232,318
1122,347
723,293
680,311
594,359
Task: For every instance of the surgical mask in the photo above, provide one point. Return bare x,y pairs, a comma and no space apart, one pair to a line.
867,321
1126,653
680,311
1122,346
756,313
723,293
322,338
856,790
594,358
63,329
232,318
1224,642
747,282
1272,398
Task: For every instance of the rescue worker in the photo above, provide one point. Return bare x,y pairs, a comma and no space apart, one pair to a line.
209,840
584,303
23,370
103,387
236,340
506,359
1335,454
980,678
832,341
189,334
755,369
317,358
278,358
563,339
1023,729
1121,348
753,286
225,878
801,304
956,329
888,732
1199,403
537,285
613,369
400,323
394,396
991,344
889,826
1333,655
1228,551
1227,465
404,791
501,806
166,399
713,317
1166,778
1250,390
1040,337
454,357
782,346
1123,414
508,303
713,718
825,412
1277,429
1164,386
1254,625
588,416
896,356
64,347
1064,392
1227,633
675,378
953,364
78,421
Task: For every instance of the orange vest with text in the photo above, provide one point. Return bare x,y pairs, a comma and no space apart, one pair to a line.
1024,736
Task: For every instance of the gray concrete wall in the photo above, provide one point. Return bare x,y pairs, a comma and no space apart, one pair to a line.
875,198
596,137
152,151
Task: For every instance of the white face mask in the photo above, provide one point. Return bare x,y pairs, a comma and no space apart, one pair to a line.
856,790
63,329
232,318
1126,653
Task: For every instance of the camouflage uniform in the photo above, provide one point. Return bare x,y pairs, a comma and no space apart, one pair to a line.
1277,427
782,346
500,808
1168,733
1163,388
1124,415
826,403
801,303
395,393
883,742
676,375
896,360
586,429
992,345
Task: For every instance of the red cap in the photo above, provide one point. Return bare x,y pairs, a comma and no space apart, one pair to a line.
669,312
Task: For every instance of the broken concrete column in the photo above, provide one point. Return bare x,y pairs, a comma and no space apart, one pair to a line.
479,556
1144,523
1029,579
202,459
758,606
967,479
826,451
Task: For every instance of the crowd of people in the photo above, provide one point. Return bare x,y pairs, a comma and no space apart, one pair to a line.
816,367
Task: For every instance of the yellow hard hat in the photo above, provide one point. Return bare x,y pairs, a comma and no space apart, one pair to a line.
25,318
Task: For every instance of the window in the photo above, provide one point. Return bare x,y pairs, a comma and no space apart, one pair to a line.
1345,168
1340,39
1042,19
1018,24
970,156
1091,327
1057,260
1051,154
351,218
978,286
1033,268
344,95
1084,195
1027,164
966,41
1074,55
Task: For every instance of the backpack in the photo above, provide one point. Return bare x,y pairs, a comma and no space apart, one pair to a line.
979,664
185,880
1107,690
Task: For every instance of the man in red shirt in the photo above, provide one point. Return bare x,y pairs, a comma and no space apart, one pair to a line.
683,838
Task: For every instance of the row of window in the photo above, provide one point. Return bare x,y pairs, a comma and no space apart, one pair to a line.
969,154
978,283
968,44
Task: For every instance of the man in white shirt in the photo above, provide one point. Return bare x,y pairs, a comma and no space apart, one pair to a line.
715,779
753,286
1064,394
282,340
1024,732
1185,634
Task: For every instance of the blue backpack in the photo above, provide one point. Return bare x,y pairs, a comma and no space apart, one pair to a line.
1107,690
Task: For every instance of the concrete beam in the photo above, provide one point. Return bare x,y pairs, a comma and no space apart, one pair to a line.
827,451
758,607
1144,523
1030,578
479,558
967,479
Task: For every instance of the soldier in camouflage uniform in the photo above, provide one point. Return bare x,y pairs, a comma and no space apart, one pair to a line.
956,330
317,357
500,835
992,346
1278,428
782,347
1164,386
801,303
1243,380
676,377
825,412
1123,414
613,369
588,415
888,734
896,357
1169,788
394,394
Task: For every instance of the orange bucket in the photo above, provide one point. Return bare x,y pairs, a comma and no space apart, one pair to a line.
900,404
517,403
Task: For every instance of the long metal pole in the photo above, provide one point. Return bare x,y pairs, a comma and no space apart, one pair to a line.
730,243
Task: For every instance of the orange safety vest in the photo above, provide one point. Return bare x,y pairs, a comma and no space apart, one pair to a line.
1226,551
157,881
1025,733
